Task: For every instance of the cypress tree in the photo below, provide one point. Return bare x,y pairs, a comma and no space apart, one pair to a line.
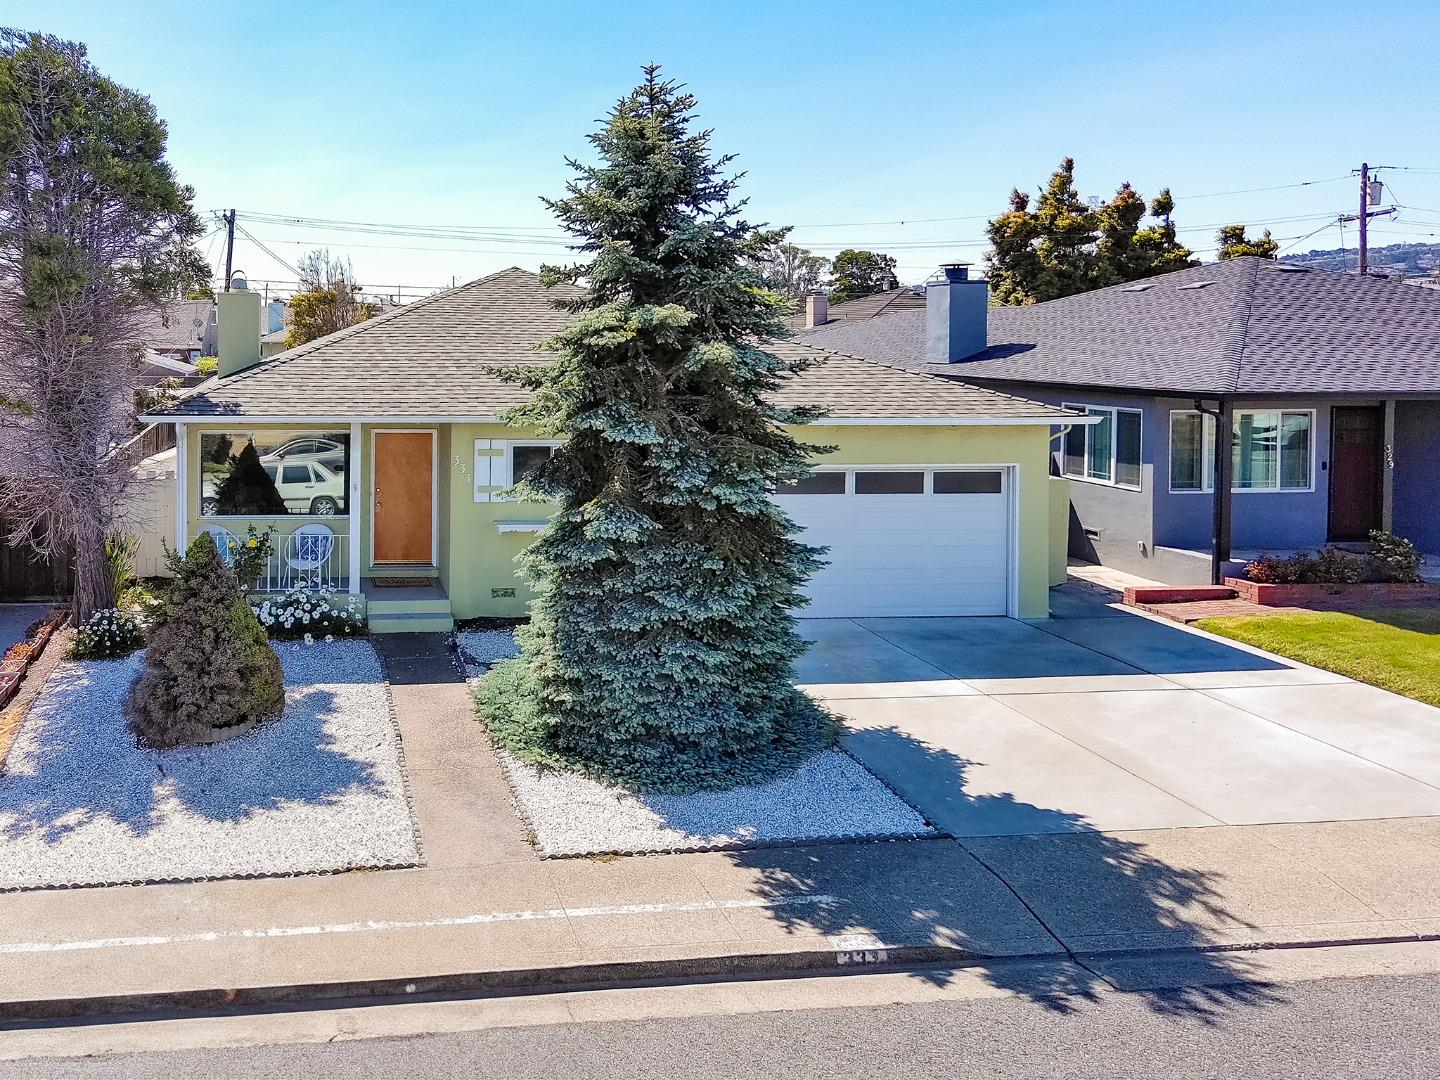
660,649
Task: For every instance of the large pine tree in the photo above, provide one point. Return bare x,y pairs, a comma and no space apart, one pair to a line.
660,648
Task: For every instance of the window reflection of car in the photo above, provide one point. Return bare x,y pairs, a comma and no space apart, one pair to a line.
307,486
329,452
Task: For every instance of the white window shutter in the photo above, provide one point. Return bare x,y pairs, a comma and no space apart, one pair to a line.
484,466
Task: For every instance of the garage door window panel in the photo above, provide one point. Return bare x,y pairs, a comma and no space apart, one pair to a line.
969,482
819,483
890,483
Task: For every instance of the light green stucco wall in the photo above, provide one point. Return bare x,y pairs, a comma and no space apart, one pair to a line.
1059,529
476,560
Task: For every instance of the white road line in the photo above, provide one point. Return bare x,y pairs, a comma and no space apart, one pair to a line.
415,924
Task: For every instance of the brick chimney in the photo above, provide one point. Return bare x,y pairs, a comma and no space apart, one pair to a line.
956,315
817,309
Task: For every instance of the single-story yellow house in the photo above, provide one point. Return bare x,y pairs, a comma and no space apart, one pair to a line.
377,457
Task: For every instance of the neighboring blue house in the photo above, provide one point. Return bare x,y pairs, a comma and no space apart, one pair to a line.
1329,382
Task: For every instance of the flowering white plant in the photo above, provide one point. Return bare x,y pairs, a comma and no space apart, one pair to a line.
109,633
308,609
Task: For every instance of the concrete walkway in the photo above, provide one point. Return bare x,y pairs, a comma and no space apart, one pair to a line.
1101,719
486,913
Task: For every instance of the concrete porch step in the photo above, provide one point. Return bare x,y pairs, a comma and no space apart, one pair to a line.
408,609
411,622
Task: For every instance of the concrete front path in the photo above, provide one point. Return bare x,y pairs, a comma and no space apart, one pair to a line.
1100,719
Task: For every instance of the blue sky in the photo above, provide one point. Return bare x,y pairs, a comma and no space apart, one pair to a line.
461,114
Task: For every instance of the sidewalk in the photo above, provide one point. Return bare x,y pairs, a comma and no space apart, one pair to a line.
485,913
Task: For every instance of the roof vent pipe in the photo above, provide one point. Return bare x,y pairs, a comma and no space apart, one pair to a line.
956,315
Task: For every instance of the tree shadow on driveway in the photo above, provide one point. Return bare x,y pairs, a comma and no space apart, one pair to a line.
1071,894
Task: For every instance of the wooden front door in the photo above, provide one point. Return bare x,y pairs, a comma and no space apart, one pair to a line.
404,497
1357,437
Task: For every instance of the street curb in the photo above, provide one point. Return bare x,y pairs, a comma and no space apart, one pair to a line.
855,955
876,957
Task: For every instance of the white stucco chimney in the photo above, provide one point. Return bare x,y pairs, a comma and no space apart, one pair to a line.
238,311
817,309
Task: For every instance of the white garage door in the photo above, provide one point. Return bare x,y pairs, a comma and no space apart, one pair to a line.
905,541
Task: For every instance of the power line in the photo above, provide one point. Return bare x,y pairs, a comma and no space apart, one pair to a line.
1251,191
256,241
1301,239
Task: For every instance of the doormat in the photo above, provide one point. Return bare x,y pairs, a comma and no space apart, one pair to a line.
404,582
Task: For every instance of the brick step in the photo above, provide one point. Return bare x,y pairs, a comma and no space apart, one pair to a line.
1178,594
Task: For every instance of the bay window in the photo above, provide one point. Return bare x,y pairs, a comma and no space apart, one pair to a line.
1107,452
1272,451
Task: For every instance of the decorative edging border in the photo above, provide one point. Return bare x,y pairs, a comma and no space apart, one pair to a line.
1268,594
404,769
20,656
13,669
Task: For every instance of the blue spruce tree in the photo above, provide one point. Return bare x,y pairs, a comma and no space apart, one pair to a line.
660,649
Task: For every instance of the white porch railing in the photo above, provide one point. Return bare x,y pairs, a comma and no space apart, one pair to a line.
305,559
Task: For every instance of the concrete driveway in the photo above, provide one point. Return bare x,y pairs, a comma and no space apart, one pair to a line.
1102,719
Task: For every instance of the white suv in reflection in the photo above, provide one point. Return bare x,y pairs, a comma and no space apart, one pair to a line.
307,486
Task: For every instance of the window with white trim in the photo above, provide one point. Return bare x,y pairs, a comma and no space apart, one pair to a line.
1107,452
1273,450
502,463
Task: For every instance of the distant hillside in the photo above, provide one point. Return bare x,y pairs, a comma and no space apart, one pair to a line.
1409,260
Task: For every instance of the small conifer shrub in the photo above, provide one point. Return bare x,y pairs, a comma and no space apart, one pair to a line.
208,664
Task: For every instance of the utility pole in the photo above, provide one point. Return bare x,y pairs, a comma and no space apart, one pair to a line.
1364,218
229,246
1370,192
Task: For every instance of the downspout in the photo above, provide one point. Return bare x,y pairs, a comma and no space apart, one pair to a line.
1223,495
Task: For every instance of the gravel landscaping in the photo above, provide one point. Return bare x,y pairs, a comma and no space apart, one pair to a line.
483,647
830,797
320,789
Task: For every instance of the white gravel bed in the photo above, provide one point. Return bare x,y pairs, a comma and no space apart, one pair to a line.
320,789
830,797
481,648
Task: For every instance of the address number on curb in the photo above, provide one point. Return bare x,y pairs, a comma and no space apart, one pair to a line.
861,956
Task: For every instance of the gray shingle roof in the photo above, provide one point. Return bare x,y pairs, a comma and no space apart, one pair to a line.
1256,328
172,325
426,360
864,307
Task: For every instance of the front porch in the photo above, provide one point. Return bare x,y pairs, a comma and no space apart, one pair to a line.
407,517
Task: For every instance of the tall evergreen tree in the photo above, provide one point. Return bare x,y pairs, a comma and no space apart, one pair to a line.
1234,243
661,642
1066,246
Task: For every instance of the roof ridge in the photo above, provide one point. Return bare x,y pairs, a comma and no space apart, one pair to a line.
926,375
272,362
1237,327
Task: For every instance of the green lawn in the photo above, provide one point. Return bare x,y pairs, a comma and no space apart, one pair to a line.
1398,649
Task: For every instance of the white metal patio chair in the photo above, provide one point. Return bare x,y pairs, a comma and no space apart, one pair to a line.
307,554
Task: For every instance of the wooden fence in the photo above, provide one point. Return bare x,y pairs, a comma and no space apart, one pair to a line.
24,576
